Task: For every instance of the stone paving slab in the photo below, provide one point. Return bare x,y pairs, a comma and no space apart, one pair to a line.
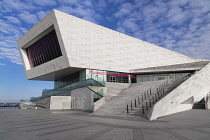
78,125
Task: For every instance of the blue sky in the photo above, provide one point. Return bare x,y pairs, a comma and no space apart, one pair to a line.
179,25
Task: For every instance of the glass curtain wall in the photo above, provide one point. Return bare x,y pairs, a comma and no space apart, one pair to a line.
98,75
66,80
75,77
156,77
117,77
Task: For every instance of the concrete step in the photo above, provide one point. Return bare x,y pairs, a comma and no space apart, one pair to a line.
199,106
117,104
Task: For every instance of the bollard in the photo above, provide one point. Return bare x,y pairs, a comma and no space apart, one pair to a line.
142,98
146,106
131,106
150,91
145,95
150,104
156,97
143,109
135,103
127,109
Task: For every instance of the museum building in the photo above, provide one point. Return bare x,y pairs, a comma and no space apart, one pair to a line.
107,72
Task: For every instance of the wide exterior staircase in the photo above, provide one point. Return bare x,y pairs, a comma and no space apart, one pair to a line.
141,105
117,104
138,98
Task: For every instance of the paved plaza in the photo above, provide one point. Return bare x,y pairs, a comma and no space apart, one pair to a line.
77,125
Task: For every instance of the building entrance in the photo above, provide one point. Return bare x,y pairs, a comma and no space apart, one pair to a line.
113,79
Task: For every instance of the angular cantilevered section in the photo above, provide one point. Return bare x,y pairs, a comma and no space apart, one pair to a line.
89,45
86,45
42,51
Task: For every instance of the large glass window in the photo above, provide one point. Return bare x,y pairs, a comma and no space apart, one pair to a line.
73,78
44,50
156,77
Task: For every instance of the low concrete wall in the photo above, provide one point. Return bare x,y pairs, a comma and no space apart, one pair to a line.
44,103
82,98
180,108
60,102
27,105
197,86
99,103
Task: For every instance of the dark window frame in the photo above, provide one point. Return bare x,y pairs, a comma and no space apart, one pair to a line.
45,49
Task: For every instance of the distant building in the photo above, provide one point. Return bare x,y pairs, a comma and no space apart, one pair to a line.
90,64
24,100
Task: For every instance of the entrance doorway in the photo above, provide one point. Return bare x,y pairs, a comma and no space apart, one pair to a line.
113,79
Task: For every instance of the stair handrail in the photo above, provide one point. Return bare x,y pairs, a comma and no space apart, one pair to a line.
161,92
141,98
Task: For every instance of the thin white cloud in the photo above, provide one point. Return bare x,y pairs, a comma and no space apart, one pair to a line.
28,17
13,19
100,6
180,25
41,14
8,46
83,9
45,2
16,5
124,10
69,2
23,30
11,54
116,1
130,25
66,9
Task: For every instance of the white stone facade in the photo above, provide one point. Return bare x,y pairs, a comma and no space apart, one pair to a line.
88,45
60,102
196,87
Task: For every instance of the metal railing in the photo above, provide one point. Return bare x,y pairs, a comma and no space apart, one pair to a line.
148,99
68,88
96,89
147,96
